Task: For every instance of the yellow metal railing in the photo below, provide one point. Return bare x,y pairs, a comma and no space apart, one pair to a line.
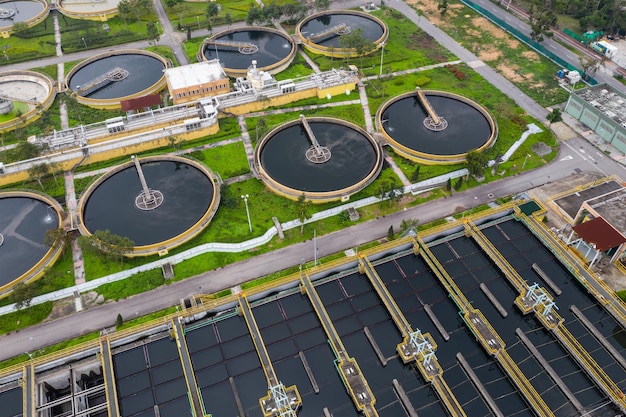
329,329
444,278
448,398
110,391
516,280
257,339
590,365
393,309
522,383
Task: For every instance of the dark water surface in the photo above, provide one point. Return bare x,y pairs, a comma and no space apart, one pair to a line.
273,48
143,72
187,193
353,157
371,30
23,223
467,128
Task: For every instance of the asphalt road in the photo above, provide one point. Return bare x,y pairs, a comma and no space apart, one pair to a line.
575,154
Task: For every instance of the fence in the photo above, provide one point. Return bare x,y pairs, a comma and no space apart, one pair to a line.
528,41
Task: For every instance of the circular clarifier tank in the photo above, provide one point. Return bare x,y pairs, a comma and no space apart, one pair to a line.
343,160
30,12
186,198
25,219
321,32
105,80
408,126
237,48
26,94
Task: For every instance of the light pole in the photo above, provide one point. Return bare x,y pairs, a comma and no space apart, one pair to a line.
245,200
525,159
84,43
382,55
474,204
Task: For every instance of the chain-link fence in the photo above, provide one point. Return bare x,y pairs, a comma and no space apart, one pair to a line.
528,41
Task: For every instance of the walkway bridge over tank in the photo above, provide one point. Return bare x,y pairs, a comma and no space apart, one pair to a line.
348,369
279,401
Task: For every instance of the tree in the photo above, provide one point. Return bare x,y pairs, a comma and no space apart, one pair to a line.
37,171
228,19
475,163
59,235
458,184
125,10
23,295
110,245
212,10
590,65
24,150
415,174
449,184
54,168
442,7
174,142
19,27
542,16
357,42
227,199
261,127
407,224
554,116
153,32
119,321
302,208
390,233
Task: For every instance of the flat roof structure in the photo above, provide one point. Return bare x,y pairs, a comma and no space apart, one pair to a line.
197,81
611,207
570,203
603,109
194,74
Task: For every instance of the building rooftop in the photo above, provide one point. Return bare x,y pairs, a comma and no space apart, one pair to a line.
570,203
611,206
600,233
607,100
194,74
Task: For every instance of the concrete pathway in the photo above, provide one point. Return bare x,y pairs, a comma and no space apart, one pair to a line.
369,126
77,253
247,143
397,170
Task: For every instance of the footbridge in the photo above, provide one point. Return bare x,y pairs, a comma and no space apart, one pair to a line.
245,48
279,401
197,405
351,375
433,121
111,76
109,377
484,333
338,30
535,299
416,346
316,153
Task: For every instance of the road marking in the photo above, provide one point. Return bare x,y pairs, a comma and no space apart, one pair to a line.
567,158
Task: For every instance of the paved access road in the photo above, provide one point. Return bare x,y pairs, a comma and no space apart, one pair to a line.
574,155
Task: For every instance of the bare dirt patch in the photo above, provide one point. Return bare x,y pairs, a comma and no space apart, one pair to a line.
531,56
488,53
